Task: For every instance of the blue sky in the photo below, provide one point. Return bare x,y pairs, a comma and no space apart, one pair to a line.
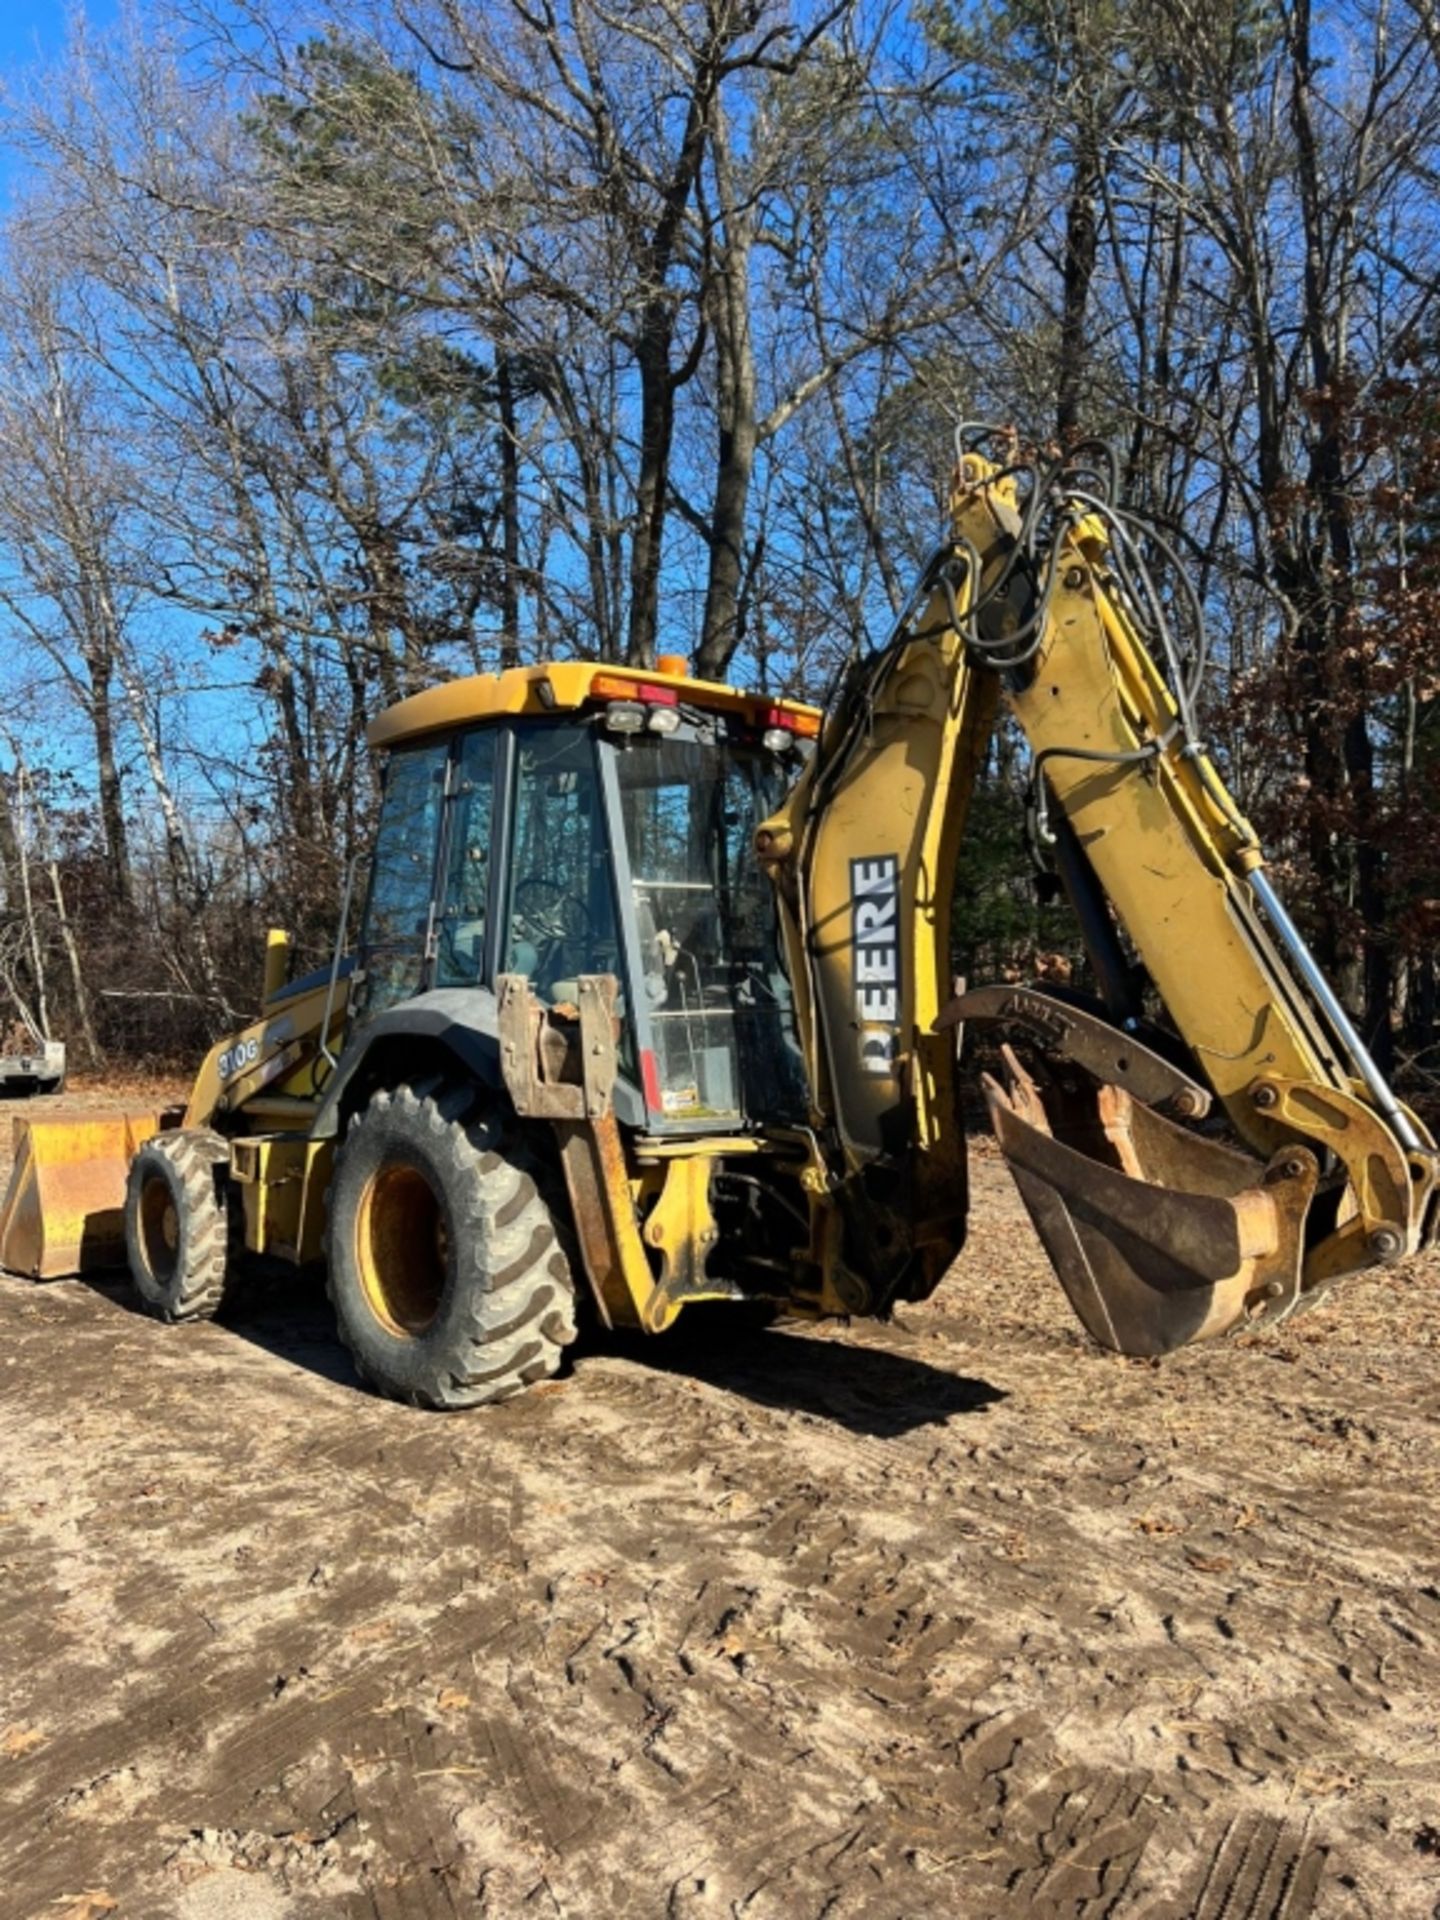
36,28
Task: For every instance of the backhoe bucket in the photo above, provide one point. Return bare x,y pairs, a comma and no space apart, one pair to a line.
1158,1236
65,1209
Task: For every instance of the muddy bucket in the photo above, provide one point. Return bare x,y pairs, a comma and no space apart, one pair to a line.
1159,1237
1158,1234
64,1212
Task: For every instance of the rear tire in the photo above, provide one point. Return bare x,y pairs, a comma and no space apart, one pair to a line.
447,1275
177,1223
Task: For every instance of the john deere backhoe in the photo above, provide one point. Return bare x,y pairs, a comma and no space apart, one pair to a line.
651,997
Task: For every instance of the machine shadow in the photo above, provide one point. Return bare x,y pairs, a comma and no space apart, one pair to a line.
285,1313
866,1389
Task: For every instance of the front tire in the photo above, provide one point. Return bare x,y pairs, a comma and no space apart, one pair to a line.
177,1223
447,1276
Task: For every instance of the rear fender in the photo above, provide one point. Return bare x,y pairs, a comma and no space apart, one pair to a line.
451,1028
454,1028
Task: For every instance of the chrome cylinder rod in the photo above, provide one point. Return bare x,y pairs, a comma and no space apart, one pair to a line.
1340,1021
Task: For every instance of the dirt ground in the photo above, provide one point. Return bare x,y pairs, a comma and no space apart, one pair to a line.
956,1617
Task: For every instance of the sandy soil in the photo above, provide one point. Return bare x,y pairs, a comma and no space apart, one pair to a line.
956,1617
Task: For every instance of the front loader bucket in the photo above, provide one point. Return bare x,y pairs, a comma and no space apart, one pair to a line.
65,1210
1158,1235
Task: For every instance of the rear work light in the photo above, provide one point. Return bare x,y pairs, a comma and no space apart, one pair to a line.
806,725
609,686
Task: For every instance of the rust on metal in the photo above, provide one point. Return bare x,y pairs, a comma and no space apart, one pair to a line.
557,1064
1158,1236
638,1280
592,1157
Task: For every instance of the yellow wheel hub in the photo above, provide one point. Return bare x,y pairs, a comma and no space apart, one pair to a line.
159,1228
400,1249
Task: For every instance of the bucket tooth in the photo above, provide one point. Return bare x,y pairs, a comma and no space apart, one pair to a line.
1158,1236
1022,1093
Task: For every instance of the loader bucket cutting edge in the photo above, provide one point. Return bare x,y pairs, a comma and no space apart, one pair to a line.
64,1212
1148,1263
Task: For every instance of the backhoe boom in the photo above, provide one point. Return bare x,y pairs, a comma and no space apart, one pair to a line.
1160,1233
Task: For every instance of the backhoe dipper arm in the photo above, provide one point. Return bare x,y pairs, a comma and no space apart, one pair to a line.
1159,1233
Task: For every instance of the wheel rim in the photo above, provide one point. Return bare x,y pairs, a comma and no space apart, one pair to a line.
401,1249
160,1229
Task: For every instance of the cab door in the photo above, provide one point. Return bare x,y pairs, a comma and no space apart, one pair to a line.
395,936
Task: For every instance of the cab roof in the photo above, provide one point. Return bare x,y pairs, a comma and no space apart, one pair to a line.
566,685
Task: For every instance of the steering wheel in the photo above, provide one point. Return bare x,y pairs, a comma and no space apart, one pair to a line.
565,917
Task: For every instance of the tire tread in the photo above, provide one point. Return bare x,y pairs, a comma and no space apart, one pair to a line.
518,1311
198,1291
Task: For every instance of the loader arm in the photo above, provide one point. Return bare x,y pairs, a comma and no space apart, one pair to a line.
1160,1232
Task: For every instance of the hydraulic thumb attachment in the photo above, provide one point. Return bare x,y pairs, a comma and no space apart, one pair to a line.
1159,1232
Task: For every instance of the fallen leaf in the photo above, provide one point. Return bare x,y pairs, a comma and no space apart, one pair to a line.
85,1906
18,1740
1208,1563
372,1630
1312,1781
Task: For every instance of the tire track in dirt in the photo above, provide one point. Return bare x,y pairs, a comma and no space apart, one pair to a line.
887,1623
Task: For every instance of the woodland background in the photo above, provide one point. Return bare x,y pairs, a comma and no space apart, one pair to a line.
342,352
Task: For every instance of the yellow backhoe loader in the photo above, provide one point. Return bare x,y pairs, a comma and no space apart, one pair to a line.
651,996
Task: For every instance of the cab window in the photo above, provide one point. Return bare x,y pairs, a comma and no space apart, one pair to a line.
460,926
397,913
562,912
719,1003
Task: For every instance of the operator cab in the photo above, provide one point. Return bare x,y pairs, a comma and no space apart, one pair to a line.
573,819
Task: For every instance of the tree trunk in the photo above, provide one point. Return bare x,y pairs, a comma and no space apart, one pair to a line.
1081,243
510,514
657,429
188,893
100,667
659,381
736,419
1349,765
94,1054
9,847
